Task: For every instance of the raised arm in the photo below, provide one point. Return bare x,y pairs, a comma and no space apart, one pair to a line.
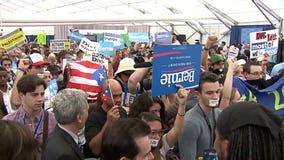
137,76
175,132
211,41
22,69
228,85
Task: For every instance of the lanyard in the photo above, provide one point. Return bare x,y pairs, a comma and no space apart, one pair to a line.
211,130
39,125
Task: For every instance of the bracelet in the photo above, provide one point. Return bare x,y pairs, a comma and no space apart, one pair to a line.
23,70
182,115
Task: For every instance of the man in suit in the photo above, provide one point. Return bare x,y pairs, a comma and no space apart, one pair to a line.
71,111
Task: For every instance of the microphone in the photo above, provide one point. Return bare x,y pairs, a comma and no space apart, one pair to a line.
143,65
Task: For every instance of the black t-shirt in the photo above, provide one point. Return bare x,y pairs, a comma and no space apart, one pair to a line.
93,126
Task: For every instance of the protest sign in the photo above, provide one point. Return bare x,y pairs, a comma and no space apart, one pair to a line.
175,65
111,37
138,37
92,49
163,38
12,40
76,36
88,46
106,48
264,42
233,52
272,97
58,45
41,38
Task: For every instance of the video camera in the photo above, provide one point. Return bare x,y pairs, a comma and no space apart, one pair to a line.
146,83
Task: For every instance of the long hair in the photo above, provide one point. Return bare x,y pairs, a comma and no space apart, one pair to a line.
253,142
17,142
151,117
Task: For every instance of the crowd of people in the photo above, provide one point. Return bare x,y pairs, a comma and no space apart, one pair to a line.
131,123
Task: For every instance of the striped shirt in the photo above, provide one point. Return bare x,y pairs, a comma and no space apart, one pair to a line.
34,125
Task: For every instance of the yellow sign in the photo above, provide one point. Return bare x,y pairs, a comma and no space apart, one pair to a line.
57,45
12,40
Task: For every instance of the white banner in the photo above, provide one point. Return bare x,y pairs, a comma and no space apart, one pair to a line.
88,46
264,42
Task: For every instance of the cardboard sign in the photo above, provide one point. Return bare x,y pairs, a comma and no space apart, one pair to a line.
163,38
58,45
264,42
175,65
138,37
12,40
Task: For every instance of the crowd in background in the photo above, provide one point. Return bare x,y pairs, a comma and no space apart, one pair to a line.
132,124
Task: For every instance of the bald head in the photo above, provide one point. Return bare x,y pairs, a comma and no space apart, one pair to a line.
115,89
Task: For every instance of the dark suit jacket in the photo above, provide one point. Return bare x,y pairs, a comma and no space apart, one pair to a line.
61,146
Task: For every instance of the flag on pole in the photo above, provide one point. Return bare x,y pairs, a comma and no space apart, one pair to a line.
107,94
87,76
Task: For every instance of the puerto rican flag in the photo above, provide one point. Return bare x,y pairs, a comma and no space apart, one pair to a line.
87,76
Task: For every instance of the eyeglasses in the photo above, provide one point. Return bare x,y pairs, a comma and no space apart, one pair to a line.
257,73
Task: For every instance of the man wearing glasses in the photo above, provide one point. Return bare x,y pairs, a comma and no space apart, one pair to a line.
255,75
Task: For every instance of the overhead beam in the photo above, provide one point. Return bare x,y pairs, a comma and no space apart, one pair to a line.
193,26
221,16
173,28
162,26
190,35
262,7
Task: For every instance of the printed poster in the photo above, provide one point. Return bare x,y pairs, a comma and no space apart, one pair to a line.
173,65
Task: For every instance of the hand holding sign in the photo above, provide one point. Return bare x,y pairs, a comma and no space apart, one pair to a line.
181,94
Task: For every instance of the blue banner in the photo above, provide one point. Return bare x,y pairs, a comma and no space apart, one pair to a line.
75,36
175,65
121,46
163,38
53,88
106,48
138,37
272,97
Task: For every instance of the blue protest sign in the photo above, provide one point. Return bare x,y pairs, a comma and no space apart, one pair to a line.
272,97
163,38
106,48
138,37
175,65
75,36
121,46
52,86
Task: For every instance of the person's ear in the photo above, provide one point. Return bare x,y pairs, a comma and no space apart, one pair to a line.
124,158
79,118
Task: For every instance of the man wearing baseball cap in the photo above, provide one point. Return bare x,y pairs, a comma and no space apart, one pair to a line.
32,64
217,66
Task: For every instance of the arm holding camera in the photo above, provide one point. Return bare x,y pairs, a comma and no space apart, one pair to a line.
137,76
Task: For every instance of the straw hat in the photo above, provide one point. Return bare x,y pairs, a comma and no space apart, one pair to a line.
125,64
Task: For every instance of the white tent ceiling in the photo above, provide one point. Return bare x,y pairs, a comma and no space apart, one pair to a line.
137,12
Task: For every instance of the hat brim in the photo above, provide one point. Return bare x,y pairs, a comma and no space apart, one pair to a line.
41,63
123,70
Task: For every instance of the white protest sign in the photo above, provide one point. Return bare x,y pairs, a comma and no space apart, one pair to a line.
88,46
233,52
264,42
